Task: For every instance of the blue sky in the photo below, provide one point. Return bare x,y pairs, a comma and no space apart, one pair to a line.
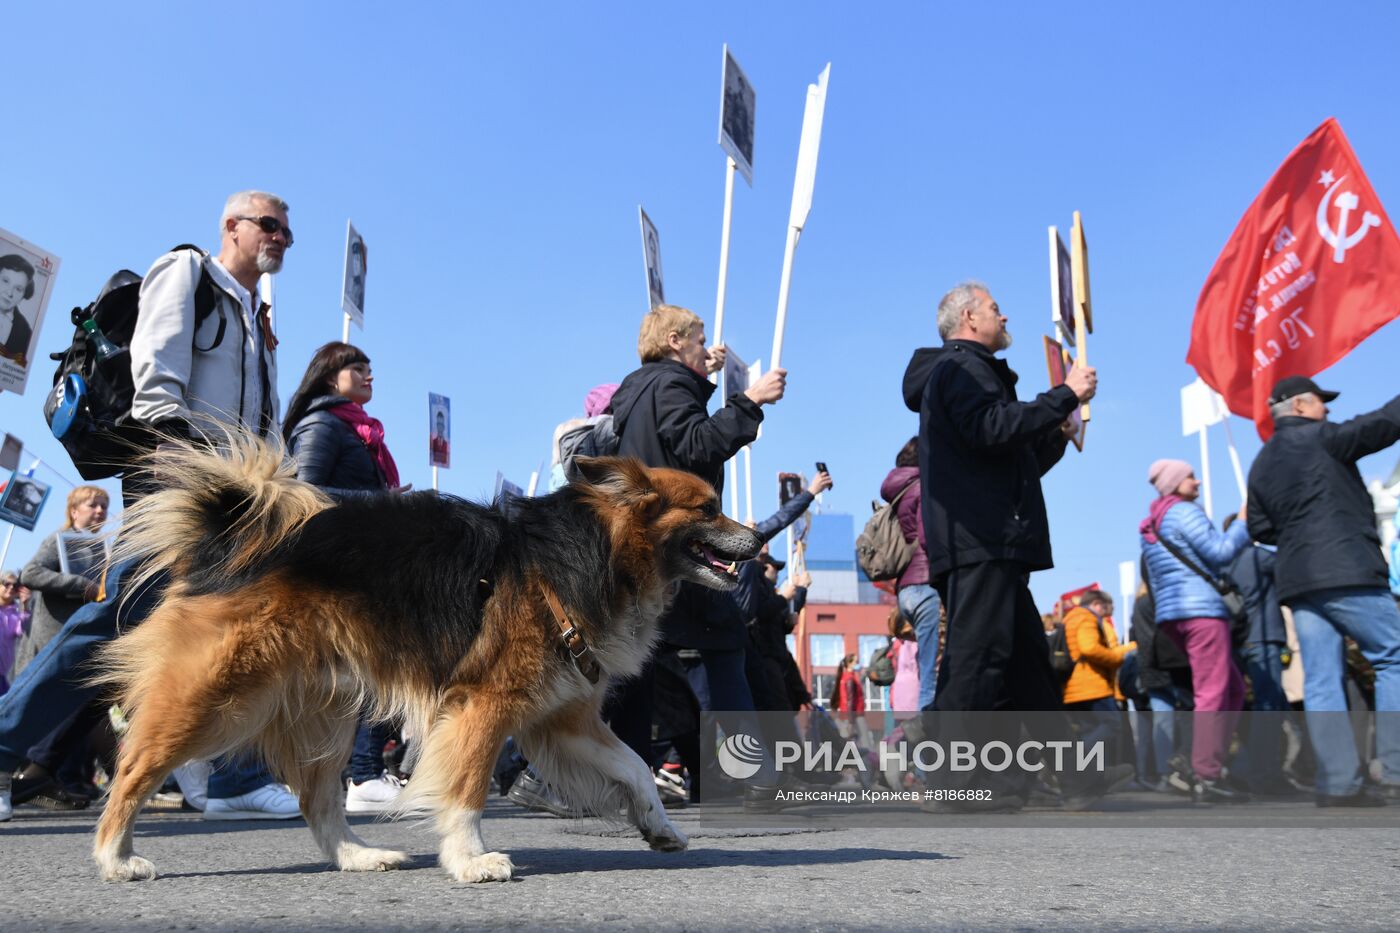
494,158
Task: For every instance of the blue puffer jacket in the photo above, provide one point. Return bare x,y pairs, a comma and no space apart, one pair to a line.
1181,593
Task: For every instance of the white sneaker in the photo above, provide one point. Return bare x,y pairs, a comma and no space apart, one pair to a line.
269,802
373,796
193,778
6,811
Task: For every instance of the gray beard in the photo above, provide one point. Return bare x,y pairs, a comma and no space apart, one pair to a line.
266,264
1006,340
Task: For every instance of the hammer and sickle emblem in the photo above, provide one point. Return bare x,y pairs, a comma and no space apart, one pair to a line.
1339,239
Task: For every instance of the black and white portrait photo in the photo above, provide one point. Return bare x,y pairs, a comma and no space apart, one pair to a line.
1061,288
651,256
352,295
82,553
26,279
736,116
22,501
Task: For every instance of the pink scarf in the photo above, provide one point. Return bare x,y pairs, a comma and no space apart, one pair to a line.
371,431
1152,524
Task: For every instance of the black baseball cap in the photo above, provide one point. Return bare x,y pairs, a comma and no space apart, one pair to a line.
1289,386
766,558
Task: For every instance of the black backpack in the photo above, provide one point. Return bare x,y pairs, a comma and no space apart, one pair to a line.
89,408
881,670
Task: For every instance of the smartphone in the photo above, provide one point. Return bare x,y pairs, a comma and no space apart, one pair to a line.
821,468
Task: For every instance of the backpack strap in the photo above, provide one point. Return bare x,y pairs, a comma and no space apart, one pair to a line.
206,299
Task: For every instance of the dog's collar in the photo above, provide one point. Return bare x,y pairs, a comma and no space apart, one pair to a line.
572,639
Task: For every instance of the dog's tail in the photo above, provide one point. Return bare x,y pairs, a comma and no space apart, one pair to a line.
216,514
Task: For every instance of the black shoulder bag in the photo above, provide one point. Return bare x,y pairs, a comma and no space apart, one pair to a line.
1229,593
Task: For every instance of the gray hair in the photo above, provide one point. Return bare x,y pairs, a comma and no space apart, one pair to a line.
951,307
1284,409
241,203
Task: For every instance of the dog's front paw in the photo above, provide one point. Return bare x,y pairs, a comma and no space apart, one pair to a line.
131,868
362,858
667,839
493,866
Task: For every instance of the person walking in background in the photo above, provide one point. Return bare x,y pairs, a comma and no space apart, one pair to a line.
1181,547
918,600
13,621
1165,674
57,767
338,447
1093,684
1306,496
1261,660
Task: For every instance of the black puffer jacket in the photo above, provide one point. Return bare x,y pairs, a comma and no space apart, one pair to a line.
981,456
660,416
1306,496
329,453
659,413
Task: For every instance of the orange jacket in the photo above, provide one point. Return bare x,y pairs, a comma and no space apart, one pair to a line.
1097,655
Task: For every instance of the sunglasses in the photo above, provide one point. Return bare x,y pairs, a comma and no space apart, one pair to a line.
270,225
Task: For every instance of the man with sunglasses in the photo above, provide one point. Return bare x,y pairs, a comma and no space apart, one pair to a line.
190,381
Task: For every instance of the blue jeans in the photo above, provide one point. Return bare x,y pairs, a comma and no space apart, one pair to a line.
1322,618
1099,721
919,605
719,683
367,759
51,687
1163,703
1261,756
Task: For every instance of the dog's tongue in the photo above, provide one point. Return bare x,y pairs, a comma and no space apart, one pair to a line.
723,566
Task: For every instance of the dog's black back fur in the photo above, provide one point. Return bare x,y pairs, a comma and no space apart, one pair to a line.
424,566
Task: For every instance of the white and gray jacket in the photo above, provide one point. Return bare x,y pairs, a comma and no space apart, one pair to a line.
175,376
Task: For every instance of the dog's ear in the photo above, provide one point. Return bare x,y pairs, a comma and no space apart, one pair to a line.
617,474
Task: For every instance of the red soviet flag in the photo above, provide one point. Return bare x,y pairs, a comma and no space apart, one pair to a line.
1312,270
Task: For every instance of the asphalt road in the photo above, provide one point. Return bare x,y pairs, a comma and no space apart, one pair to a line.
1123,870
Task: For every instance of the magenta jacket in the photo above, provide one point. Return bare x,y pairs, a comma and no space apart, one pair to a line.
911,521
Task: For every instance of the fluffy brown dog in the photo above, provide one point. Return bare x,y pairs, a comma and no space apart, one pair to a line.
285,614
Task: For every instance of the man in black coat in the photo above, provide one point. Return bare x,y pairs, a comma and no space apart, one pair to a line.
981,455
660,415
1307,497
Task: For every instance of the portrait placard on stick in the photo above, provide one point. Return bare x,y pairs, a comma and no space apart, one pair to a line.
23,500
651,259
736,116
506,489
1061,289
439,430
1057,363
736,374
352,286
83,553
27,275
9,453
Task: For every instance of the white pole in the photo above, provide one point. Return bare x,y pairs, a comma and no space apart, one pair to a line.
5,552
730,169
1205,474
345,334
734,489
1234,456
788,253
790,568
748,483
435,471
534,479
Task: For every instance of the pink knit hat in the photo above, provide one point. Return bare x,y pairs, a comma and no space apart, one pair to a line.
1166,475
598,399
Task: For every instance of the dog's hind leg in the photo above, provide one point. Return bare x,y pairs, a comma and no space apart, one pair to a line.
311,753
453,777
590,766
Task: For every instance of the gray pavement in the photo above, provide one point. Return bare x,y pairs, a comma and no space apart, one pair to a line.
1108,872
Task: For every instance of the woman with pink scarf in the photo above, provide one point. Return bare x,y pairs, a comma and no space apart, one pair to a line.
340,448
1191,612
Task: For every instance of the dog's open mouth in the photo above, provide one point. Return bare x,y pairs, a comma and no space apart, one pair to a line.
711,559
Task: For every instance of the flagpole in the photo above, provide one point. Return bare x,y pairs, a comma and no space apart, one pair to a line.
345,331
5,552
734,489
1205,473
1234,455
748,484
435,478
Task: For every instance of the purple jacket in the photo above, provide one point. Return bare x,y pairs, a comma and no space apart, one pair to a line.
911,521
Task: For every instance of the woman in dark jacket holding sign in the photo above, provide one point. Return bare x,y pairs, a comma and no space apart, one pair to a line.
340,448
1191,612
